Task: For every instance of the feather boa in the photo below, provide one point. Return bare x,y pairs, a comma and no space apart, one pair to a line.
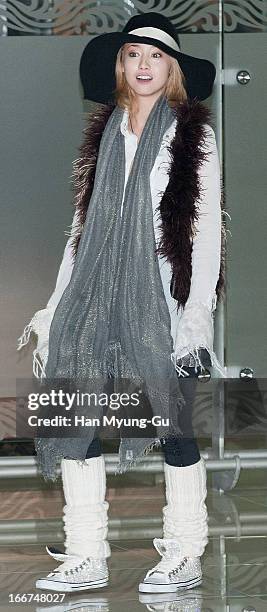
178,208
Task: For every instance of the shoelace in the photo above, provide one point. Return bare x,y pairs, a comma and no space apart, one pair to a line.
167,566
69,567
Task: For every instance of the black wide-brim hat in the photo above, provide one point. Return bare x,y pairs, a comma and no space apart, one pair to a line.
97,65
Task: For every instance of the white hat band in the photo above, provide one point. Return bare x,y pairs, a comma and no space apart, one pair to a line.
156,33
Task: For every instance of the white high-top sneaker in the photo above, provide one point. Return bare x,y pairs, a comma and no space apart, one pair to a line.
74,574
174,571
86,526
185,530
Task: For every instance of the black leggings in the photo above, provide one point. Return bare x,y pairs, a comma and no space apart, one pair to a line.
178,451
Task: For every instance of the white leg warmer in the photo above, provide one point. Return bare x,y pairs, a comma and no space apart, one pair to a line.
85,513
185,517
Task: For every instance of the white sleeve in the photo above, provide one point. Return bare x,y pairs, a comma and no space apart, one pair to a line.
65,270
41,320
195,330
206,249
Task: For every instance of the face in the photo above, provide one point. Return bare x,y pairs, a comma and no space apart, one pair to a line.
145,60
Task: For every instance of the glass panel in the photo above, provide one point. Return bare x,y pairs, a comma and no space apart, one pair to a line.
42,115
244,118
68,18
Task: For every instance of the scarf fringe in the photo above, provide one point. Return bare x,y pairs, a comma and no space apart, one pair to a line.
123,468
25,336
39,325
37,363
38,366
178,361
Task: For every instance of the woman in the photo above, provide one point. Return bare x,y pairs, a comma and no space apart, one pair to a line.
149,170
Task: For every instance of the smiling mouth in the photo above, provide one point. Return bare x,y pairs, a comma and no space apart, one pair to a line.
144,79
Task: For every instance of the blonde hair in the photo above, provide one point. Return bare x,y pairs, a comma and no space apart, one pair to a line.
174,90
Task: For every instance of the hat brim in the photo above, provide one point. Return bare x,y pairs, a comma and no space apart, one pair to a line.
97,67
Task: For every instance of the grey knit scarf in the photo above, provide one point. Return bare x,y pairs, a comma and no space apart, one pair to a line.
115,297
